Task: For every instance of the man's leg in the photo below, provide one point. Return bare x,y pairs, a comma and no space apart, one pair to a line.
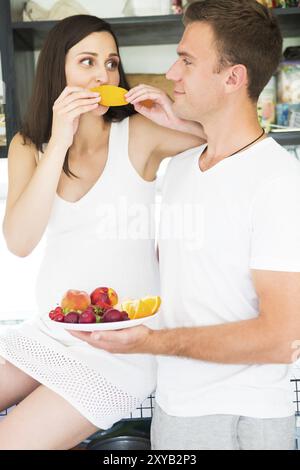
213,432
267,434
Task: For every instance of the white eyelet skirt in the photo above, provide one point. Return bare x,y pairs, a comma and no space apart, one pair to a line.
103,387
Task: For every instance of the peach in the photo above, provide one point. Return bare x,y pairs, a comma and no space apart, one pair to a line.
75,300
104,297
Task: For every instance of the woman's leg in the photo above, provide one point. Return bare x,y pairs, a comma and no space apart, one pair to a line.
15,385
44,421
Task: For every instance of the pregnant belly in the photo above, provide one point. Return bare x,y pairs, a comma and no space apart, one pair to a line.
131,270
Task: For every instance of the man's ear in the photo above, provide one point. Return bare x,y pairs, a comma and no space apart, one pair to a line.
237,77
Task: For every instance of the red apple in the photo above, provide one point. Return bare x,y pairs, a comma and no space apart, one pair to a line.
104,297
74,300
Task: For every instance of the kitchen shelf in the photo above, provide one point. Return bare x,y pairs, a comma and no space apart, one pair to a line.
142,30
286,137
19,40
289,20
3,151
131,31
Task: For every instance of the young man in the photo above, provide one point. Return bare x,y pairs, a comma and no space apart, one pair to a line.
231,295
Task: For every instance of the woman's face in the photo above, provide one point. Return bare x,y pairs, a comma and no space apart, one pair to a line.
92,62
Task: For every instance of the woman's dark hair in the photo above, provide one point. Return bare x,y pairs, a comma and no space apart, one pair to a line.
246,33
50,79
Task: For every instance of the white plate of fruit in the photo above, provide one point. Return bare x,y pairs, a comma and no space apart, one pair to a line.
101,310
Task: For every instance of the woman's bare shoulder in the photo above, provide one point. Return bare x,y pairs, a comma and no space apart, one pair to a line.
140,122
21,147
145,131
142,130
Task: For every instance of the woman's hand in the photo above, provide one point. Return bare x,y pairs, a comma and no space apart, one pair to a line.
67,109
161,112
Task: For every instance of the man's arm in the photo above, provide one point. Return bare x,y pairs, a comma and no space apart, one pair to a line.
267,339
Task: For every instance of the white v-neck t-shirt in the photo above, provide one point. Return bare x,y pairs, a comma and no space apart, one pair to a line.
216,226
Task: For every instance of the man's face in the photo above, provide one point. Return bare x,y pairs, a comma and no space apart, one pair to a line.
198,88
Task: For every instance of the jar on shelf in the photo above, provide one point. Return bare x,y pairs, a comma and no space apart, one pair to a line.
147,7
177,7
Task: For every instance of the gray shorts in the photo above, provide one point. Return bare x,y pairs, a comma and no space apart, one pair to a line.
221,432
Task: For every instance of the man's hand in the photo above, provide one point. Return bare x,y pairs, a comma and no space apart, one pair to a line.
136,340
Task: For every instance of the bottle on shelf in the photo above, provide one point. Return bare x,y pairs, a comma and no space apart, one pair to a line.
2,123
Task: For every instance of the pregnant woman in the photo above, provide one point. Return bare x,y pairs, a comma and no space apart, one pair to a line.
83,173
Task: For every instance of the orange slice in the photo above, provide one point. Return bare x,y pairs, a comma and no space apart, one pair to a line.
111,95
129,307
152,303
141,308
114,96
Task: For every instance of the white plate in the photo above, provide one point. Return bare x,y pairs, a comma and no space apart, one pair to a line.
117,325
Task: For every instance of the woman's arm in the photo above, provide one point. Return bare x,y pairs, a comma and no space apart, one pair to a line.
31,187
160,110
31,191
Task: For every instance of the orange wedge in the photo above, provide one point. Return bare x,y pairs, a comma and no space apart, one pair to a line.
115,96
111,95
129,307
141,308
152,303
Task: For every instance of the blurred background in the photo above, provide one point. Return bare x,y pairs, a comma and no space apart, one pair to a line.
149,31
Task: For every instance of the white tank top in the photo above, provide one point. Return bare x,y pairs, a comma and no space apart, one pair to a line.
106,238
